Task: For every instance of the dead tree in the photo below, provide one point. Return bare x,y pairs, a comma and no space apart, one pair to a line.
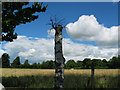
59,58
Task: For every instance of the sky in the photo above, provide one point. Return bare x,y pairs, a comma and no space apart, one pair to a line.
90,31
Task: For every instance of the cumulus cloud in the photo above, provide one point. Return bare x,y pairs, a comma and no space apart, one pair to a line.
28,53
41,49
1,52
87,28
115,0
35,49
80,51
51,33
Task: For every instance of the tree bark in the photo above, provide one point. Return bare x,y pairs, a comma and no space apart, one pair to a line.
59,59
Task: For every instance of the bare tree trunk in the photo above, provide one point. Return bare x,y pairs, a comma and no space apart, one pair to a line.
59,59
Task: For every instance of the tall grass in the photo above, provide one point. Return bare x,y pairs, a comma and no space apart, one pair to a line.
37,78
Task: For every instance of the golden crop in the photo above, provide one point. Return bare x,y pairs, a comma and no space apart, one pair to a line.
27,72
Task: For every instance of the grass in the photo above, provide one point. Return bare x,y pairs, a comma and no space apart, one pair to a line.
44,78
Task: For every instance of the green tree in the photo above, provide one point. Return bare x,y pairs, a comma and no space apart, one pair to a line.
51,64
96,63
39,65
34,65
48,65
16,13
79,64
71,64
44,65
16,62
5,60
118,61
87,63
26,64
104,63
114,63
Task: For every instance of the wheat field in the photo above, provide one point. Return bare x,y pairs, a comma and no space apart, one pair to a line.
23,72
74,78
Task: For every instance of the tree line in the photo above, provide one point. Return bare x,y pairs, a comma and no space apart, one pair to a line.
87,63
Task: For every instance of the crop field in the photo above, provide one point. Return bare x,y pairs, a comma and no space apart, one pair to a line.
74,78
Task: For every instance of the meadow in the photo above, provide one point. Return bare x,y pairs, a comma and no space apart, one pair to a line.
74,78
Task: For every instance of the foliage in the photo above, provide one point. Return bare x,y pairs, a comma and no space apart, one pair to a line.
79,64
70,64
87,63
16,62
48,65
5,60
33,78
114,62
16,13
26,64
104,63
34,65
96,63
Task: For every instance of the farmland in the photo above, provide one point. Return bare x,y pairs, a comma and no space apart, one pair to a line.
74,78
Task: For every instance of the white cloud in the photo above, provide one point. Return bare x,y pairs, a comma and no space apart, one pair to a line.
40,49
35,50
115,0
1,52
87,28
28,53
80,51
51,33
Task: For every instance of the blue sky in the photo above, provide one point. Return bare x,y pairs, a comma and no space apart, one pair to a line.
106,13
92,32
